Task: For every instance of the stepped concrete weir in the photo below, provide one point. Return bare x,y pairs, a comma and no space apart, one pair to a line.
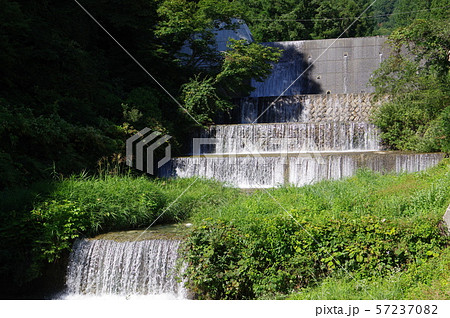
292,137
259,170
302,131
326,141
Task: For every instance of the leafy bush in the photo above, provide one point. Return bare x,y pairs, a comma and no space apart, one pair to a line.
367,225
61,223
201,100
427,280
243,245
39,224
206,97
416,77
279,254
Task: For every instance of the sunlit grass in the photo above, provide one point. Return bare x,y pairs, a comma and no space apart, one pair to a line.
429,280
387,196
48,216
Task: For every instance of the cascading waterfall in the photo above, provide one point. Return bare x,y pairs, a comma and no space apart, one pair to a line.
109,268
304,123
307,170
267,155
240,171
267,171
293,137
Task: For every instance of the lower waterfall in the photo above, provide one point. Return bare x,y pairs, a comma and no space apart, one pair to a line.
267,171
127,269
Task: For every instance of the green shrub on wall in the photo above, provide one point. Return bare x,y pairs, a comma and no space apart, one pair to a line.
416,77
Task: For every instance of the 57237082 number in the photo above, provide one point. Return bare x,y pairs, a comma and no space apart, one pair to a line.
406,309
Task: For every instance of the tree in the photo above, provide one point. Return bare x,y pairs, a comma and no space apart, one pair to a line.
63,84
204,97
279,20
294,20
416,77
191,24
214,77
333,17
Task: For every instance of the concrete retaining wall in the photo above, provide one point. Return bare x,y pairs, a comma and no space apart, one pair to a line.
335,66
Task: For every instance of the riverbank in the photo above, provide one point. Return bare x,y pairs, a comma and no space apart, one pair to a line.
270,243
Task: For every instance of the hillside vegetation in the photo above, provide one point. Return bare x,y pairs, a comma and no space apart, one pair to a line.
244,246
416,76
70,97
366,229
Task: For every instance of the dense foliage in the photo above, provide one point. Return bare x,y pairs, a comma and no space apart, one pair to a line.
416,76
427,280
291,20
242,245
291,238
39,224
69,98
205,97
69,95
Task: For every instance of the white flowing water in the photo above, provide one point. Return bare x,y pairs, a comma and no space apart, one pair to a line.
304,170
266,171
293,137
239,171
107,268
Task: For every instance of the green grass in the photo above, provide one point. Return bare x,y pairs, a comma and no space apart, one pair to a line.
39,224
429,280
276,241
264,244
403,196
123,202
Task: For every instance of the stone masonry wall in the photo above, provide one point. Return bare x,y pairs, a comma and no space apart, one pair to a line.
339,107
308,108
